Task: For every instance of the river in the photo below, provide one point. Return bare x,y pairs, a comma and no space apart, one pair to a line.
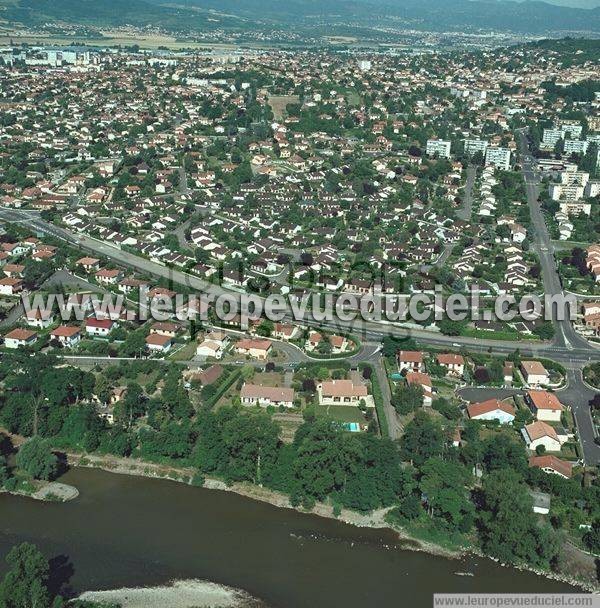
127,531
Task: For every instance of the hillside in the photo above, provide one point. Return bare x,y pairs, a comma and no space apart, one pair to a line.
435,15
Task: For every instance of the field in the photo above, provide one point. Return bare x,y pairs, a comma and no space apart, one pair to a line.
341,413
279,103
120,38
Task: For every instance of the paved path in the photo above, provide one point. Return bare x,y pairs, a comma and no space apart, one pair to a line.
577,395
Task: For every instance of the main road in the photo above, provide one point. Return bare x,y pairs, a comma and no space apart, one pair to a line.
566,336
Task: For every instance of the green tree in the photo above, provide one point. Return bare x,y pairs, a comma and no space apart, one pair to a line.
592,537
508,528
443,483
423,439
36,458
25,584
407,399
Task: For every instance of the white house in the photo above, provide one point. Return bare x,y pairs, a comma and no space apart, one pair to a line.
492,409
540,433
159,343
208,348
534,373
411,361
99,327
254,394
19,337
545,405
67,335
39,318
341,392
455,364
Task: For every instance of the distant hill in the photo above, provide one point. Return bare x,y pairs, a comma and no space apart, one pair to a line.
107,13
533,17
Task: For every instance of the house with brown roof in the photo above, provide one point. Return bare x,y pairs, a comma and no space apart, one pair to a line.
165,329
209,376
159,343
99,327
343,392
455,364
423,381
10,286
314,339
67,335
534,373
545,405
540,433
20,337
89,264
108,276
285,331
492,409
14,270
254,394
552,465
39,318
411,361
258,349
339,344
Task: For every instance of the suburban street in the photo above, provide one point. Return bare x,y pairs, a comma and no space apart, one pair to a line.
568,348
464,213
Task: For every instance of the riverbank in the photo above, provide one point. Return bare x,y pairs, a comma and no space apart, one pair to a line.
48,492
584,579
180,594
375,519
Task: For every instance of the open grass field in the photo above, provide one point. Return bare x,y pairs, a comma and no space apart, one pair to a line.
279,103
340,413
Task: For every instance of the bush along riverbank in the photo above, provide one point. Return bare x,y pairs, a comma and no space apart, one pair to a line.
35,466
414,536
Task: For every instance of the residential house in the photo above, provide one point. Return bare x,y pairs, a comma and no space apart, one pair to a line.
99,327
545,405
39,318
552,465
423,381
492,409
165,329
20,337
209,376
341,392
534,373
285,331
258,349
455,364
10,286
158,343
67,335
411,361
540,433
108,276
89,264
254,394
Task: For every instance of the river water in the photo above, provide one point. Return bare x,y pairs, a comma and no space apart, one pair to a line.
126,531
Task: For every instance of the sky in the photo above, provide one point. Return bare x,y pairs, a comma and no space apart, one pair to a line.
576,3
